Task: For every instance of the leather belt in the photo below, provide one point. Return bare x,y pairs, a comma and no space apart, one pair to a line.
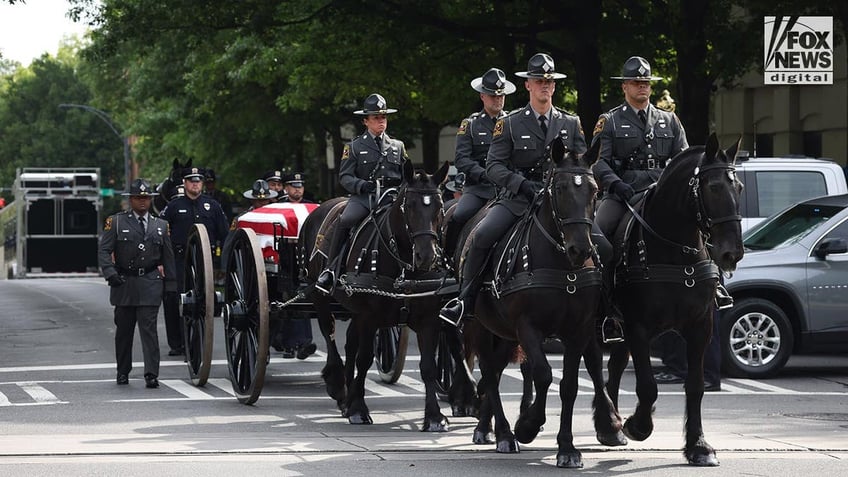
137,272
643,164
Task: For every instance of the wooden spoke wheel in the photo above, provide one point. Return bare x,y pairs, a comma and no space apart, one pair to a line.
445,364
246,330
198,305
390,352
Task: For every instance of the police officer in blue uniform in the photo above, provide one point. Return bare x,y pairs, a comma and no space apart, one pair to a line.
517,160
275,182
181,213
371,159
135,256
473,139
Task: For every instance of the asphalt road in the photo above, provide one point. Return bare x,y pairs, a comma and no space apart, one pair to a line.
62,414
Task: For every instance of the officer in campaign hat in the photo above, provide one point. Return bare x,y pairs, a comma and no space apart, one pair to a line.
260,194
516,161
135,256
371,159
636,139
473,139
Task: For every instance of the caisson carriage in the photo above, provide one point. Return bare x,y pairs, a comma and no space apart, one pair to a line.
262,286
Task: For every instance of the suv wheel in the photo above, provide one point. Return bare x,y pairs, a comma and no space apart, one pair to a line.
756,339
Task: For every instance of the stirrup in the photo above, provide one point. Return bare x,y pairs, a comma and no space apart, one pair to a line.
723,300
617,335
326,282
446,311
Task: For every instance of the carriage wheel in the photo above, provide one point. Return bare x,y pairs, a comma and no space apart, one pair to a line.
198,305
445,364
390,352
246,330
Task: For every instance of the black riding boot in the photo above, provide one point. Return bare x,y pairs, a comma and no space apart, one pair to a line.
723,299
611,329
451,236
472,276
327,279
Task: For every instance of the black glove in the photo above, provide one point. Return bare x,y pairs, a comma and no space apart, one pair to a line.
116,280
622,190
369,187
528,190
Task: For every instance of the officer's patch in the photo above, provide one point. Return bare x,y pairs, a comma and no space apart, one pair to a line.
108,226
207,206
599,126
498,128
462,127
346,152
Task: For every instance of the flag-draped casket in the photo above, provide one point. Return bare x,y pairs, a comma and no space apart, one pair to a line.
287,216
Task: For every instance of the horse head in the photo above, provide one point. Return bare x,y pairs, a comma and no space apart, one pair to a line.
167,188
419,208
571,191
717,192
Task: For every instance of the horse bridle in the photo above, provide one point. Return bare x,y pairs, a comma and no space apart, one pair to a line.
702,217
560,222
391,246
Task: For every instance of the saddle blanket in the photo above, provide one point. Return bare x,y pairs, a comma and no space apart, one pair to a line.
290,216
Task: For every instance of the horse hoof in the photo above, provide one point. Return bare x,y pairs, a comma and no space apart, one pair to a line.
525,431
435,425
631,432
481,437
507,446
359,418
702,460
612,439
570,460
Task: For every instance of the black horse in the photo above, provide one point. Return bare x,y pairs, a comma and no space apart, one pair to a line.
396,248
687,232
167,187
545,283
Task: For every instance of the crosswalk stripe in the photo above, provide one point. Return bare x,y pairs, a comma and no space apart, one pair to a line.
186,389
381,389
222,384
411,383
4,401
38,393
762,386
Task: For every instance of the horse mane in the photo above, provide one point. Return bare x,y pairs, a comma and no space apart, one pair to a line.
678,172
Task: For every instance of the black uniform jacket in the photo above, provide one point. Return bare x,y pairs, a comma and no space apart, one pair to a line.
362,162
473,139
184,212
633,152
520,152
137,255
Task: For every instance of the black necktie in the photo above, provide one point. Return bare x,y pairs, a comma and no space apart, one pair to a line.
542,120
141,221
379,141
643,116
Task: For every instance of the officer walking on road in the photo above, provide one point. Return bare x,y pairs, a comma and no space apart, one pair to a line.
135,256
516,161
181,213
473,139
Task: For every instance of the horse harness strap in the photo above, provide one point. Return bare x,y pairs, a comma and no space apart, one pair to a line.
568,281
688,275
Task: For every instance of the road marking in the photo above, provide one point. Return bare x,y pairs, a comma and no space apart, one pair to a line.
381,389
38,393
4,401
763,386
188,390
223,384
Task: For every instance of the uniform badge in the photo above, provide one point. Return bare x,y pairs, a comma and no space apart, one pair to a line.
498,128
346,152
599,126
462,127
207,206
108,226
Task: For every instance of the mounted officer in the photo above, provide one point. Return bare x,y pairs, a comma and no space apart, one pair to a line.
516,162
473,139
371,163
135,256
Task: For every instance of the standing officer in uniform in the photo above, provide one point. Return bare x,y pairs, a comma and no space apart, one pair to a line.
473,139
143,258
212,190
516,162
181,213
275,182
293,187
370,158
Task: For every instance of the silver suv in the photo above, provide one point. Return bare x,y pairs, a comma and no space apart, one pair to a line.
791,289
772,184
